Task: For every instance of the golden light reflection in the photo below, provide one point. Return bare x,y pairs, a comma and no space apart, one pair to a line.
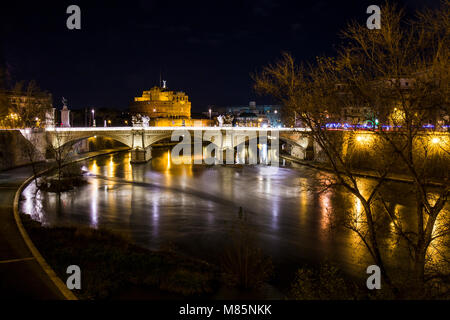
128,168
355,252
94,167
325,210
303,197
111,166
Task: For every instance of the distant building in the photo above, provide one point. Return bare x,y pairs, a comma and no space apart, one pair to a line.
360,116
252,115
39,106
159,103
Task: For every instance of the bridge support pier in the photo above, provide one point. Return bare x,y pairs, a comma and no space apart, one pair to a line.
227,155
310,150
298,152
141,155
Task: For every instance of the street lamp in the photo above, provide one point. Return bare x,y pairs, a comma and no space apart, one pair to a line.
93,117
209,113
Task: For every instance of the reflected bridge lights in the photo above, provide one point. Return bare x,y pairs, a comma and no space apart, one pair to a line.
226,147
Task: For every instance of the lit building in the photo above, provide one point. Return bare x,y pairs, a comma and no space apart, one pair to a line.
352,115
161,103
253,115
37,107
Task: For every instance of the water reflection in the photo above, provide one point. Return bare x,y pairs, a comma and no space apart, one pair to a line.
94,205
194,206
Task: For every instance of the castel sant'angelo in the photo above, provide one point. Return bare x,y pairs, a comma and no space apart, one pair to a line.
158,102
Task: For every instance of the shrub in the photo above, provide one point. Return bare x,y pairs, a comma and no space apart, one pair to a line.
243,263
324,283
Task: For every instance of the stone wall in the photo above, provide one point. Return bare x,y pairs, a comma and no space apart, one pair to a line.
15,150
366,151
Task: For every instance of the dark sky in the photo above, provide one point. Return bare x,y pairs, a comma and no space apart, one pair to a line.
205,48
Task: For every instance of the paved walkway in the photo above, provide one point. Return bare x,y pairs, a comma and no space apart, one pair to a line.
20,274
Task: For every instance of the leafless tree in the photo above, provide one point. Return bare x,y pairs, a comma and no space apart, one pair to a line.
400,74
24,106
61,151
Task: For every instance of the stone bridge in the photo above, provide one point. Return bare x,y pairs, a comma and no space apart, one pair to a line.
141,139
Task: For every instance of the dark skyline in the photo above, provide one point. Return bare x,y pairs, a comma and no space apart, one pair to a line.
207,49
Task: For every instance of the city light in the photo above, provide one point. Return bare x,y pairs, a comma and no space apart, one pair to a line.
348,202
364,138
435,140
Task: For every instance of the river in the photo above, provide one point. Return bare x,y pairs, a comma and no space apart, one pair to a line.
193,208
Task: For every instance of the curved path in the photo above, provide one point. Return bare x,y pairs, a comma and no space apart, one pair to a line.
21,276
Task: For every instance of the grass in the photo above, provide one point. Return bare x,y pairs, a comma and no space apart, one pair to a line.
111,265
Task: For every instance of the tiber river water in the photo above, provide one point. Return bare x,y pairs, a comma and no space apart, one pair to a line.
193,207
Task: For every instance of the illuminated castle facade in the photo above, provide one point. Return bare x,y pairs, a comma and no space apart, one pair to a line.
161,103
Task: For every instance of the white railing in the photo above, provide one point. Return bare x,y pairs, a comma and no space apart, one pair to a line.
98,129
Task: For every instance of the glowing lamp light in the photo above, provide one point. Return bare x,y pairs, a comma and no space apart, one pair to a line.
435,140
363,138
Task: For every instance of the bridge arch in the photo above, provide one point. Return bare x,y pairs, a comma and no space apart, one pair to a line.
140,139
59,139
152,139
296,148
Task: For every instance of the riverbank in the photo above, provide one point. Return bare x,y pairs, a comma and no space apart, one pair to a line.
114,268
21,274
358,173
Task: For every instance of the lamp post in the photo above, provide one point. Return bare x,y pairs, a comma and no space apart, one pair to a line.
93,117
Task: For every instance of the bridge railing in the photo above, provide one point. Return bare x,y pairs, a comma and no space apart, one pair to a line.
79,129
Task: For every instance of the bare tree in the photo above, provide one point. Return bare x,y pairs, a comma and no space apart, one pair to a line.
61,151
400,75
24,106
32,152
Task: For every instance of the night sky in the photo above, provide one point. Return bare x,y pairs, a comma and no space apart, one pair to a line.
206,48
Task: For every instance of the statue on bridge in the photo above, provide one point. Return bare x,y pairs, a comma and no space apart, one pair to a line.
228,120
65,114
220,119
139,120
225,120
